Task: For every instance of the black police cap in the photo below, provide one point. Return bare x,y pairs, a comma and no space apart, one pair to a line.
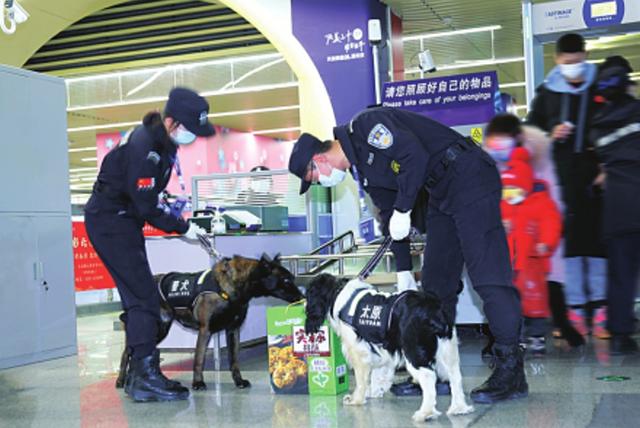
303,150
191,110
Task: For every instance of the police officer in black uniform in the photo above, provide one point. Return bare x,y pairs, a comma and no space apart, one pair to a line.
616,136
124,197
400,152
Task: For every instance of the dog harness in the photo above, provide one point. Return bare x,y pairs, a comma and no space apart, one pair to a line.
370,313
181,290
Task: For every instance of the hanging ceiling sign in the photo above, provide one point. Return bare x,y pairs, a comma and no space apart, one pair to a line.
584,15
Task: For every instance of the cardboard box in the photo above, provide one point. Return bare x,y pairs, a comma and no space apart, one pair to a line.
300,363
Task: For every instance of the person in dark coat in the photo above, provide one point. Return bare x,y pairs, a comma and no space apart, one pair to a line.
124,197
401,152
563,107
616,134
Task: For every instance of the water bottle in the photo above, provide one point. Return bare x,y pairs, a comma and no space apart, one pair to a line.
218,225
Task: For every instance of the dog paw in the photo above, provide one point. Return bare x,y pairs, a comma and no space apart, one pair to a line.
350,400
199,386
243,383
119,383
421,416
460,409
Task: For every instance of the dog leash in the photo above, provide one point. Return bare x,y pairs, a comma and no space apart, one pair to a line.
206,243
375,259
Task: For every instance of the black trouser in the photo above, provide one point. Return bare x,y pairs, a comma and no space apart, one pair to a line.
120,244
624,264
473,234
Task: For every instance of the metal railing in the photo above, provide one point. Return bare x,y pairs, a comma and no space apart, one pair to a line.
338,243
296,262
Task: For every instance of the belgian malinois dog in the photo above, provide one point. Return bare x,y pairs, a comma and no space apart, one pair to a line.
239,280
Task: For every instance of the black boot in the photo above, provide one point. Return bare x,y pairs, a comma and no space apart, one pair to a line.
507,380
623,344
147,383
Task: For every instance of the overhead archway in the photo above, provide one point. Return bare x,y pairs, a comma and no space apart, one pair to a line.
271,17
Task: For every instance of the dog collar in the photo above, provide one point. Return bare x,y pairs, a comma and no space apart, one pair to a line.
217,287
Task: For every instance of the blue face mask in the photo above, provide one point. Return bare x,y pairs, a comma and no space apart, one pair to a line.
500,148
182,135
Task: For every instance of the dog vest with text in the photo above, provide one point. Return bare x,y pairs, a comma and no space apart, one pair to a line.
180,290
369,313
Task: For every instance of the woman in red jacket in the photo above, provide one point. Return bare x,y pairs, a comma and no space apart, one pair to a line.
533,225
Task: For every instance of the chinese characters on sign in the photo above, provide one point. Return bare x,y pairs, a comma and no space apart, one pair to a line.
447,99
311,344
89,272
350,43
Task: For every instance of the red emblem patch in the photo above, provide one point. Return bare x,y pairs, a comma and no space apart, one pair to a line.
146,183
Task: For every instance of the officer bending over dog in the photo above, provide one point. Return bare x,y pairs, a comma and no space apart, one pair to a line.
393,150
124,196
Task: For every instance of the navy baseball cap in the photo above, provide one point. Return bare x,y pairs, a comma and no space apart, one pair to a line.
303,150
191,110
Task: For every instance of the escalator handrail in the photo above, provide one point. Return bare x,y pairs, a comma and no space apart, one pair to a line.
333,241
323,265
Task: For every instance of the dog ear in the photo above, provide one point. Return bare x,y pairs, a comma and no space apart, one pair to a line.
276,259
265,258
320,295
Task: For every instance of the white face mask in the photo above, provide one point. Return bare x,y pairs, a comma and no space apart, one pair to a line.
182,135
572,71
335,178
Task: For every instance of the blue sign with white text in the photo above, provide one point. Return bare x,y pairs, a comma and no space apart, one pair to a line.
451,100
601,13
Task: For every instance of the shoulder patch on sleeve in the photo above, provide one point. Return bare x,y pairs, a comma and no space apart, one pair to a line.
380,137
146,183
154,157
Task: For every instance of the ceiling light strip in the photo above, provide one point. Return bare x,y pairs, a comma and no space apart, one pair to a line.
212,115
276,130
258,88
178,66
87,168
256,70
100,127
479,63
451,33
512,85
82,149
147,82
255,111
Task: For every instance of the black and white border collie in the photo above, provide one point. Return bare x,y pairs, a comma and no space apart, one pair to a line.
414,329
